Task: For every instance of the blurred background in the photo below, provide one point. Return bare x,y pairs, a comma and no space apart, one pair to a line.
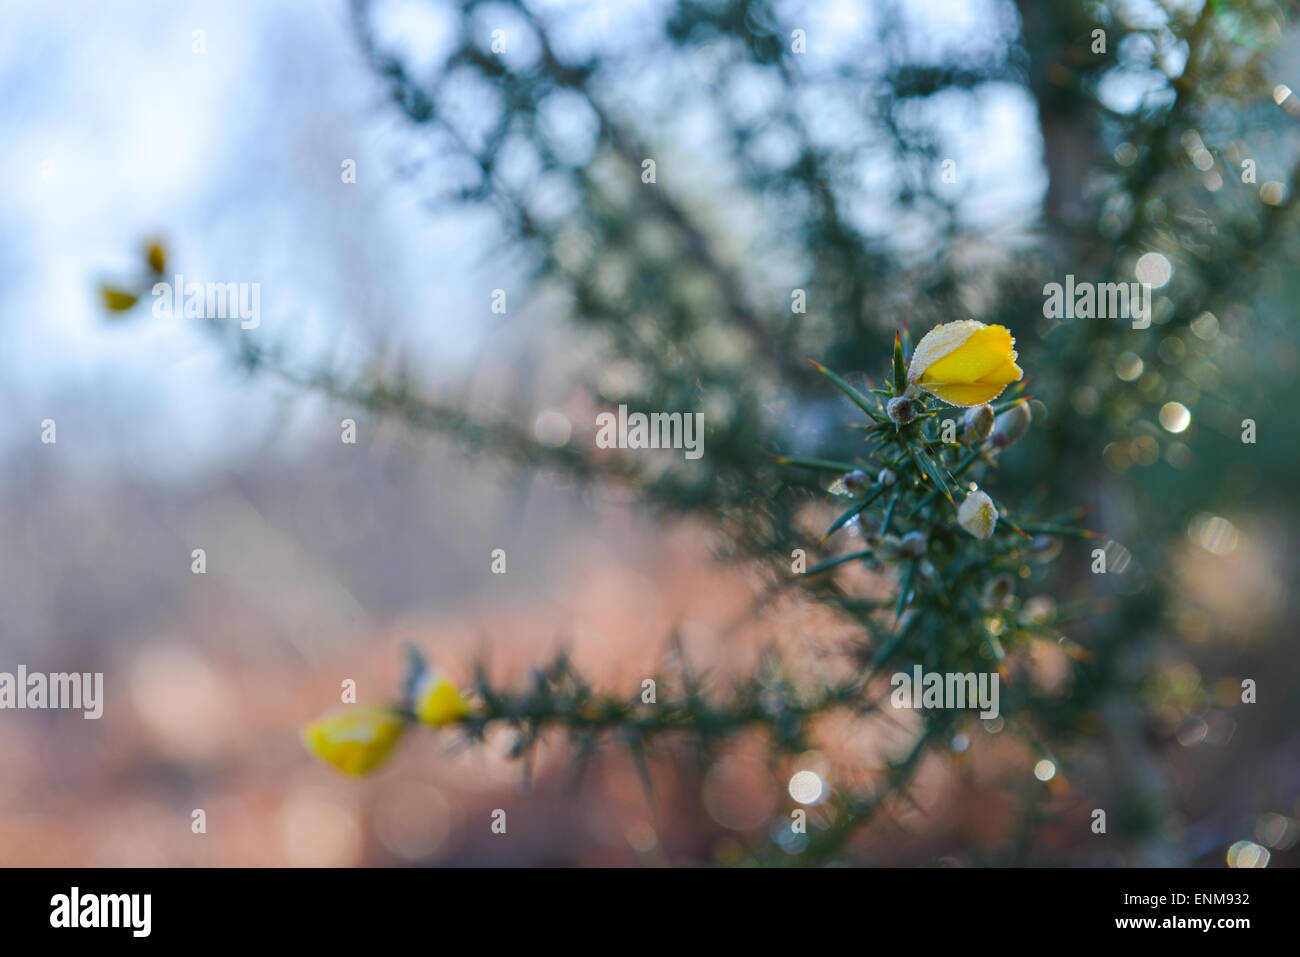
901,163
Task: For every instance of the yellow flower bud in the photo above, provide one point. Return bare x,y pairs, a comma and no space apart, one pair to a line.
964,363
115,299
157,257
437,701
978,515
356,740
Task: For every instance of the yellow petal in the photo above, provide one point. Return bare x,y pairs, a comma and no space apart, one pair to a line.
964,394
937,343
355,741
1004,374
438,701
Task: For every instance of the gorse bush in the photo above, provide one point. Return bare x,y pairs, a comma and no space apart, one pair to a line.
732,189
956,608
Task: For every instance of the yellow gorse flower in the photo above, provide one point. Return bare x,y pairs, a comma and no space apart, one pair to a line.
964,363
356,740
437,701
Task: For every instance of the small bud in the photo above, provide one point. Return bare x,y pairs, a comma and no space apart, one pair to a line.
888,549
901,409
978,515
437,701
998,592
1009,427
869,525
855,482
912,545
977,423
886,477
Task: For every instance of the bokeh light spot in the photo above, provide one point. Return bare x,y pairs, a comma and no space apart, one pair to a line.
1247,854
1174,417
806,787
1153,269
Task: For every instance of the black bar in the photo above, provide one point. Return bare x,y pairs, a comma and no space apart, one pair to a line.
921,907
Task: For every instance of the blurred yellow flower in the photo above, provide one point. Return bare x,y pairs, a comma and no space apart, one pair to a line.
115,299
437,701
964,363
356,740
157,257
